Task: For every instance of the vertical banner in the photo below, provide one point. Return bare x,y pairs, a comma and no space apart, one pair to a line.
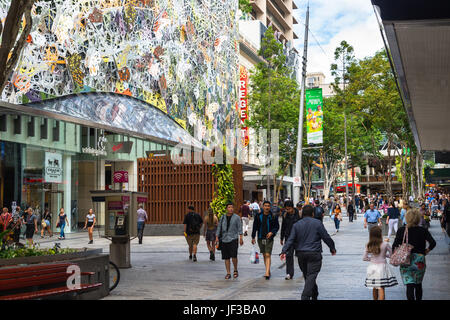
243,103
314,116
53,167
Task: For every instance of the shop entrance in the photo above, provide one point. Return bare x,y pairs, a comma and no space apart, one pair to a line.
54,200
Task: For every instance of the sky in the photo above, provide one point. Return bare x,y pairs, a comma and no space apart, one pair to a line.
332,21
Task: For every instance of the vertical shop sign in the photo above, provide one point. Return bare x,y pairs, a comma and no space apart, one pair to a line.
243,103
53,167
314,116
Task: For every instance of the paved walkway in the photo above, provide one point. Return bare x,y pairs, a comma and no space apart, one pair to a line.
161,270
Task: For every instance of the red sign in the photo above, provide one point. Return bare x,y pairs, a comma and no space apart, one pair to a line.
115,205
120,176
125,199
243,103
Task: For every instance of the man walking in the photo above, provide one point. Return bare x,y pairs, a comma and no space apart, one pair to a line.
245,212
255,208
266,225
351,211
305,237
141,218
372,217
229,232
318,211
192,225
291,216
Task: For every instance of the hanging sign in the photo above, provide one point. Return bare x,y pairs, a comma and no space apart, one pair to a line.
243,103
53,167
314,116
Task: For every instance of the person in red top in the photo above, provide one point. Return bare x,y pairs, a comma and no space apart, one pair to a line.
5,219
245,212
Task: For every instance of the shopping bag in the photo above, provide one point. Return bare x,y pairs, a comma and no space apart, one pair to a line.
254,256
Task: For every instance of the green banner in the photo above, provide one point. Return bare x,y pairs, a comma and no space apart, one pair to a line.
314,116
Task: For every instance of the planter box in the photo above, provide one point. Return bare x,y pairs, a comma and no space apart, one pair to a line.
89,260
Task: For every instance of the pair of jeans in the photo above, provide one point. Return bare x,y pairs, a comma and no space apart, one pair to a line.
62,226
140,229
310,263
337,222
290,262
244,224
350,216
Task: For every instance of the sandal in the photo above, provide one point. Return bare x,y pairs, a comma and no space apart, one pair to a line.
235,274
228,276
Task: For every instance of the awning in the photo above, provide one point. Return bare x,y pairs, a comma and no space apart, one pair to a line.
112,112
418,38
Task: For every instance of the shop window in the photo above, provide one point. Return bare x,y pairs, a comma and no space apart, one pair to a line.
31,127
56,131
18,125
44,129
3,126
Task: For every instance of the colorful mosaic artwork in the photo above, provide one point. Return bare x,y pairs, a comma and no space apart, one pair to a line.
179,55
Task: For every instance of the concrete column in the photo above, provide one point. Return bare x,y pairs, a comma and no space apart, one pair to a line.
67,188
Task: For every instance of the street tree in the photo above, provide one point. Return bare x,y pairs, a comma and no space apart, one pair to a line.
14,33
274,98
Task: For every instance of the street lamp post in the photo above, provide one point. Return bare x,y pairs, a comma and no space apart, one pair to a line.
298,163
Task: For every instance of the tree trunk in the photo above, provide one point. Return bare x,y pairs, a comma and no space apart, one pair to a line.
11,47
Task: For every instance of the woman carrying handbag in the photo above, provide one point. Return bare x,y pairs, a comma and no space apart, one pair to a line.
412,271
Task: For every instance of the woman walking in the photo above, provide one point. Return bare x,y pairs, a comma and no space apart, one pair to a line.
392,218
405,208
210,221
379,274
89,224
412,274
46,218
425,216
62,223
337,217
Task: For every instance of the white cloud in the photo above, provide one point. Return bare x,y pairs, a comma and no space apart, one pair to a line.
332,21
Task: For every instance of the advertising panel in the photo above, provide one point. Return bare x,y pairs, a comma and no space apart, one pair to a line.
53,167
314,116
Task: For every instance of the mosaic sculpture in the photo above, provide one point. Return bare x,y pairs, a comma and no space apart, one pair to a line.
178,55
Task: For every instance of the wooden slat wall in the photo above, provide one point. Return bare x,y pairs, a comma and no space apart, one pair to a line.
172,188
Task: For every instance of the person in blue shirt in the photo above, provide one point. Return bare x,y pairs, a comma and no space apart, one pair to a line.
372,217
403,213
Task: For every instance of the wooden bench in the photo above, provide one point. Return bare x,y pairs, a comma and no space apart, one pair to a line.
39,281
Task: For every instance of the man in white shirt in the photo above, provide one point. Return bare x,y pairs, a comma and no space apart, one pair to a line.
141,218
255,208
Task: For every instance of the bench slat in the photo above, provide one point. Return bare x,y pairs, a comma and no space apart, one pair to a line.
49,292
33,281
32,273
14,270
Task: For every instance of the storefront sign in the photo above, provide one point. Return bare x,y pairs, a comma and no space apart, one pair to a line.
297,181
120,147
120,176
125,199
314,116
53,167
115,205
100,150
243,103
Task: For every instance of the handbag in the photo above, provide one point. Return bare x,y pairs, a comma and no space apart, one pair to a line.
402,255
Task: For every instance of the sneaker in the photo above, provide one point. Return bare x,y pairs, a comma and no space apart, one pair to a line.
245,233
195,258
190,257
91,242
288,277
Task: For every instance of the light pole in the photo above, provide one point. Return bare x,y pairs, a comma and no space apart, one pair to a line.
298,162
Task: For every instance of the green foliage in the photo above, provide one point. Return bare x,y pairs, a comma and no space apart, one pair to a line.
245,6
11,251
223,174
274,91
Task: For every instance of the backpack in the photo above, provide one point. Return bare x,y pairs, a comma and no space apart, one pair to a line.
195,225
318,213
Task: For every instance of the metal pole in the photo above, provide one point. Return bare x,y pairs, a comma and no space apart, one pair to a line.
268,144
346,160
298,162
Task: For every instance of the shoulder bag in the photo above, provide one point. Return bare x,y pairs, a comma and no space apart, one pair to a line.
402,255
219,245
